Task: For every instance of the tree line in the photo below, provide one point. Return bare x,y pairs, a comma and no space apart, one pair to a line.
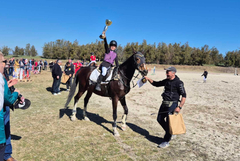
161,53
18,51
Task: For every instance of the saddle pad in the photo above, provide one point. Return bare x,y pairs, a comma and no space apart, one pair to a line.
94,76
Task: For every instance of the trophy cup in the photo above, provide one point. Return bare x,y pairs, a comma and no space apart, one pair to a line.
108,23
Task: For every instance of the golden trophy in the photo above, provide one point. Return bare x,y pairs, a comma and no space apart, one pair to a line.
108,23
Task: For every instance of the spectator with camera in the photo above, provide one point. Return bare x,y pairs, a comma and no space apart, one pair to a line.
2,127
9,99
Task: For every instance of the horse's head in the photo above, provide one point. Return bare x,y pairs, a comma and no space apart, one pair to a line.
139,62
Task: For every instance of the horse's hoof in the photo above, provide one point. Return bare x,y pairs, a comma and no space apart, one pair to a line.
116,133
86,118
73,118
123,127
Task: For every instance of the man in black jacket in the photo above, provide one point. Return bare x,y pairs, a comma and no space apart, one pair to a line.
69,70
56,74
173,88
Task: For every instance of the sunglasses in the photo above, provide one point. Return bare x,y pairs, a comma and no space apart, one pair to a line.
4,61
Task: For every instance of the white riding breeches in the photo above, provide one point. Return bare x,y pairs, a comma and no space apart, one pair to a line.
104,70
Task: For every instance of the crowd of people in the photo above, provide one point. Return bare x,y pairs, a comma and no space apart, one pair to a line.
22,68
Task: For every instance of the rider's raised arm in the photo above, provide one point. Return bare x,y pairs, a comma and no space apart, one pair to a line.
106,45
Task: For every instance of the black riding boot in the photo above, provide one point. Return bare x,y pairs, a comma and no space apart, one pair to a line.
99,80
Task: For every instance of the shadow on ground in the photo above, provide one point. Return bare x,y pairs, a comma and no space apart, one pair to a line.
92,117
49,89
99,120
15,137
145,133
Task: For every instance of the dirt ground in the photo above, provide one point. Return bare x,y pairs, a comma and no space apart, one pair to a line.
211,114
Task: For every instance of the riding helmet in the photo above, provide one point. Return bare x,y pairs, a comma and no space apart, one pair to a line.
113,43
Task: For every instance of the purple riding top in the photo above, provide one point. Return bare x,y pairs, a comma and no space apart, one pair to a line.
109,57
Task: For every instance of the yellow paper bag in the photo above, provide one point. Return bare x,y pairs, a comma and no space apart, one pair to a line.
64,78
176,124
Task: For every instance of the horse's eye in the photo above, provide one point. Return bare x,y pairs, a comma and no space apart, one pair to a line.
138,60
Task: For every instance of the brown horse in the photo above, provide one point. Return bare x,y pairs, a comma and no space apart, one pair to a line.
116,89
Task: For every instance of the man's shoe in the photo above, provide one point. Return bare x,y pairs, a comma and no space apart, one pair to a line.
98,87
11,159
58,93
54,94
173,137
164,144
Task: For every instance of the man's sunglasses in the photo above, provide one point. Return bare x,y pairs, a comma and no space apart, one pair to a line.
4,61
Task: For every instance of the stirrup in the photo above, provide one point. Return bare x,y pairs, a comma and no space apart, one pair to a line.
98,87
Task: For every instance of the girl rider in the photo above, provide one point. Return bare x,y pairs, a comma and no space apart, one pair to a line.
109,58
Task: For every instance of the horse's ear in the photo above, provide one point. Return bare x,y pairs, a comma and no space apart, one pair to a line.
144,52
134,51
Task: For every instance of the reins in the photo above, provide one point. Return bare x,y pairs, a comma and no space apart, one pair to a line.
134,77
123,76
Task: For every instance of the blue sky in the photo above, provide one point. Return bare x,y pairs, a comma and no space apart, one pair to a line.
213,22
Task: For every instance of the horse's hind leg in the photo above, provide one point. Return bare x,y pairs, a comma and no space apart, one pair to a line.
124,117
86,99
74,111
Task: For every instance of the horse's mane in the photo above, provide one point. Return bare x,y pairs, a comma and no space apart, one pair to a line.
126,61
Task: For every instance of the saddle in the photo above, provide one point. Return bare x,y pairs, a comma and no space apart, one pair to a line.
111,75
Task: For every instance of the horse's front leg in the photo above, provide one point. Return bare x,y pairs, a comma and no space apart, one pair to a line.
114,104
124,117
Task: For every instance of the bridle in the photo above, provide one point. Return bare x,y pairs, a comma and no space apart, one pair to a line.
134,77
140,56
136,65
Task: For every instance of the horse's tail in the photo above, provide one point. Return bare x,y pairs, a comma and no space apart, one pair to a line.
72,89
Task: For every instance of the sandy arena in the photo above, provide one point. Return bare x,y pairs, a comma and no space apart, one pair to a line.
211,113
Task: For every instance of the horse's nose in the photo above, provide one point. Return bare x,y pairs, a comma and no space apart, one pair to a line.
145,72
